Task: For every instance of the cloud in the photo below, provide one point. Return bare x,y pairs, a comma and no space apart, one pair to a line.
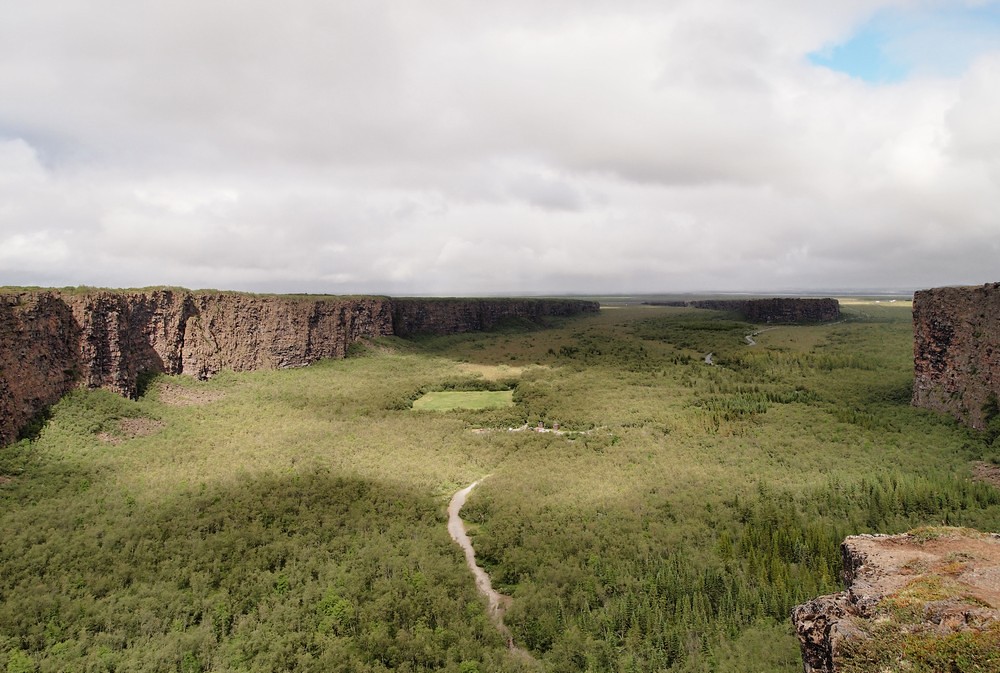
384,146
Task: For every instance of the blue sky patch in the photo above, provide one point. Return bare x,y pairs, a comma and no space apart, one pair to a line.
895,44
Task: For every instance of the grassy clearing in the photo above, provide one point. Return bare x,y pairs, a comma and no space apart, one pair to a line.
294,520
464,399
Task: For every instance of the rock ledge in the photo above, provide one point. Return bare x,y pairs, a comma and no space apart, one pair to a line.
912,601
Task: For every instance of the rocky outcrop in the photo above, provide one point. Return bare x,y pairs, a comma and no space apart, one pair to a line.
931,585
956,351
244,333
124,334
775,310
52,341
451,316
39,357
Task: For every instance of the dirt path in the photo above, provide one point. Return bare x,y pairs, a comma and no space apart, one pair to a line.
749,337
498,602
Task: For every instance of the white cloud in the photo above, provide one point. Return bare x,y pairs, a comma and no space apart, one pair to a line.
512,147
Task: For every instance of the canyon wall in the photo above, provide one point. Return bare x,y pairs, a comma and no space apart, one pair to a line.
39,357
451,316
773,310
125,334
956,350
51,342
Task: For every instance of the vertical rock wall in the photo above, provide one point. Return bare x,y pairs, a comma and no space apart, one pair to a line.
452,316
39,357
51,342
791,310
956,350
123,335
774,310
244,333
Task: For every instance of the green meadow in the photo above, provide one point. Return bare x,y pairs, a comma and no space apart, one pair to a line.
446,400
295,520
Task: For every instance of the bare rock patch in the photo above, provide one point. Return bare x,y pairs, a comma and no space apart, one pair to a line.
908,597
130,428
986,472
184,396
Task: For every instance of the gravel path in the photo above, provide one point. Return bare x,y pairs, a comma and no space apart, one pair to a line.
498,602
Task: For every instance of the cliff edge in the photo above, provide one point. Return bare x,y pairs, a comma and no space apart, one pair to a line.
956,351
453,316
52,341
922,601
780,310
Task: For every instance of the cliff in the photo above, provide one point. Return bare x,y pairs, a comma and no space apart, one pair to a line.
39,357
956,350
451,316
123,335
774,310
913,602
52,341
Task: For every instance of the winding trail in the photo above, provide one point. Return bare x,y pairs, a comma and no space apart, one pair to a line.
749,337
498,602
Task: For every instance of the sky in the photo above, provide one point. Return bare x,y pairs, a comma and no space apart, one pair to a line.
447,147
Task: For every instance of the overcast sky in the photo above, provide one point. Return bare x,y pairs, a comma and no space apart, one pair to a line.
512,146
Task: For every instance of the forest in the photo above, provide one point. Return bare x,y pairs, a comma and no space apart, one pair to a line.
295,520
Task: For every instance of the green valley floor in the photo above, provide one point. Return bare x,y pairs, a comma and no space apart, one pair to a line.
295,520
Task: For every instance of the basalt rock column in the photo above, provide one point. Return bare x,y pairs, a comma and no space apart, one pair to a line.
38,357
956,351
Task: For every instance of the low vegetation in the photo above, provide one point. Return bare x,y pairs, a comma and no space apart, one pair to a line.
446,400
294,520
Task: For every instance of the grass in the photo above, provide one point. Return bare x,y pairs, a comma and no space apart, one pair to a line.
903,635
890,650
902,639
297,520
464,399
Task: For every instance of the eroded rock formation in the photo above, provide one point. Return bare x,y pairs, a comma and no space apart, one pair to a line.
52,341
905,594
956,350
452,316
773,310
123,335
39,357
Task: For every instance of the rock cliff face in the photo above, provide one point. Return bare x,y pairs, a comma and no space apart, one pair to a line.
451,316
38,357
905,594
792,310
244,333
177,332
774,310
956,350
51,342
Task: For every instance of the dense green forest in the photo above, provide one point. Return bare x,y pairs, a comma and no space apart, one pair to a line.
295,520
